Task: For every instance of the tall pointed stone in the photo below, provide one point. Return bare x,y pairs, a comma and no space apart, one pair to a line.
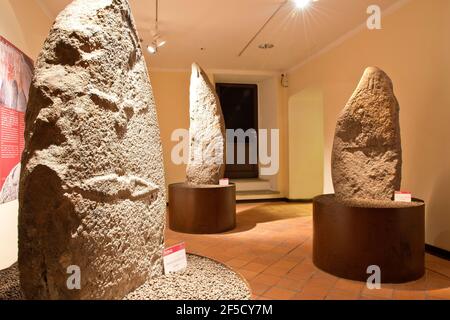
367,155
92,194
207,132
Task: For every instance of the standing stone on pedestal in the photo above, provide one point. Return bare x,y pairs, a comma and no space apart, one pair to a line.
92,191
207,132
367,155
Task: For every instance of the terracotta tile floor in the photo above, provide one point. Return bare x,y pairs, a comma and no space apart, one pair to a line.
272,247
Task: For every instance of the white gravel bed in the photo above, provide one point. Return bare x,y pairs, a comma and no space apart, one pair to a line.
204,279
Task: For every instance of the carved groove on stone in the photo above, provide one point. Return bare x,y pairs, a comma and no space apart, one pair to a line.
113,187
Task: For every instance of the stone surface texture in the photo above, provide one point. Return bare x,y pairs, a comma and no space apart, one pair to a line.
203,279
9,284
367,155
92,189
206,163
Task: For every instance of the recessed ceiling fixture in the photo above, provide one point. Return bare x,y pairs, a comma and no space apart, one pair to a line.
157,40
299,4
266,46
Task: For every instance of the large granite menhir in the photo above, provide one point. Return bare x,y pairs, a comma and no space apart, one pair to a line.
92,189
367,155
206,165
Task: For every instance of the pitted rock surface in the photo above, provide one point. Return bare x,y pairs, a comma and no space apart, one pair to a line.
367,154
92,191
203,279
9,284
207,132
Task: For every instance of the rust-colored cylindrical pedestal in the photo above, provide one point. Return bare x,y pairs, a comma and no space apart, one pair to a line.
205,209
348,239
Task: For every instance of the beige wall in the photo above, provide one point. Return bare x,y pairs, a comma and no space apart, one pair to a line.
413,48
8,234
171,91
268,116
26,26
306,144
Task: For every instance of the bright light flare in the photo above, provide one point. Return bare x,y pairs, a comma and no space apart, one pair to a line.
151,49
161,43
302,4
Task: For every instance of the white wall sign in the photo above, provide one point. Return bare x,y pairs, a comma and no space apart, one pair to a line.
175,258
401,196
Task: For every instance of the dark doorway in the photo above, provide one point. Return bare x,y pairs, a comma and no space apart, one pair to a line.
240,109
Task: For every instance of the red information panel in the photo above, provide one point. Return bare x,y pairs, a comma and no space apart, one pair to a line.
16,72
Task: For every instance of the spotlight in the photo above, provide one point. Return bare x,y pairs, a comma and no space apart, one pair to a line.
151,49
157,40
303,4
160,43
156,43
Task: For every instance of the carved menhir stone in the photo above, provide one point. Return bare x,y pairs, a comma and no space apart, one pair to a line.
92,191
367,155
206,164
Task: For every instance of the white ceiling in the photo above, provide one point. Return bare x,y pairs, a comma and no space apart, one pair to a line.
223,27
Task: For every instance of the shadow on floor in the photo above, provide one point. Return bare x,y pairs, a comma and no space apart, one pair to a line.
430,282
250,218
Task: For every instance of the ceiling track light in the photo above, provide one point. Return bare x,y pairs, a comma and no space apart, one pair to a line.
157,40
156,43
152,49
299,4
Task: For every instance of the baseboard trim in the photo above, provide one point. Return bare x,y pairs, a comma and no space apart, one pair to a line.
244,201
299,200
275,200
438,252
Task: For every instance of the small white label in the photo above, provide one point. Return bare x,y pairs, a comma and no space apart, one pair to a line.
403,196
175,258
224,182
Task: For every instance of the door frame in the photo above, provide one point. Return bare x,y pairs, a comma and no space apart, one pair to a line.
255,90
